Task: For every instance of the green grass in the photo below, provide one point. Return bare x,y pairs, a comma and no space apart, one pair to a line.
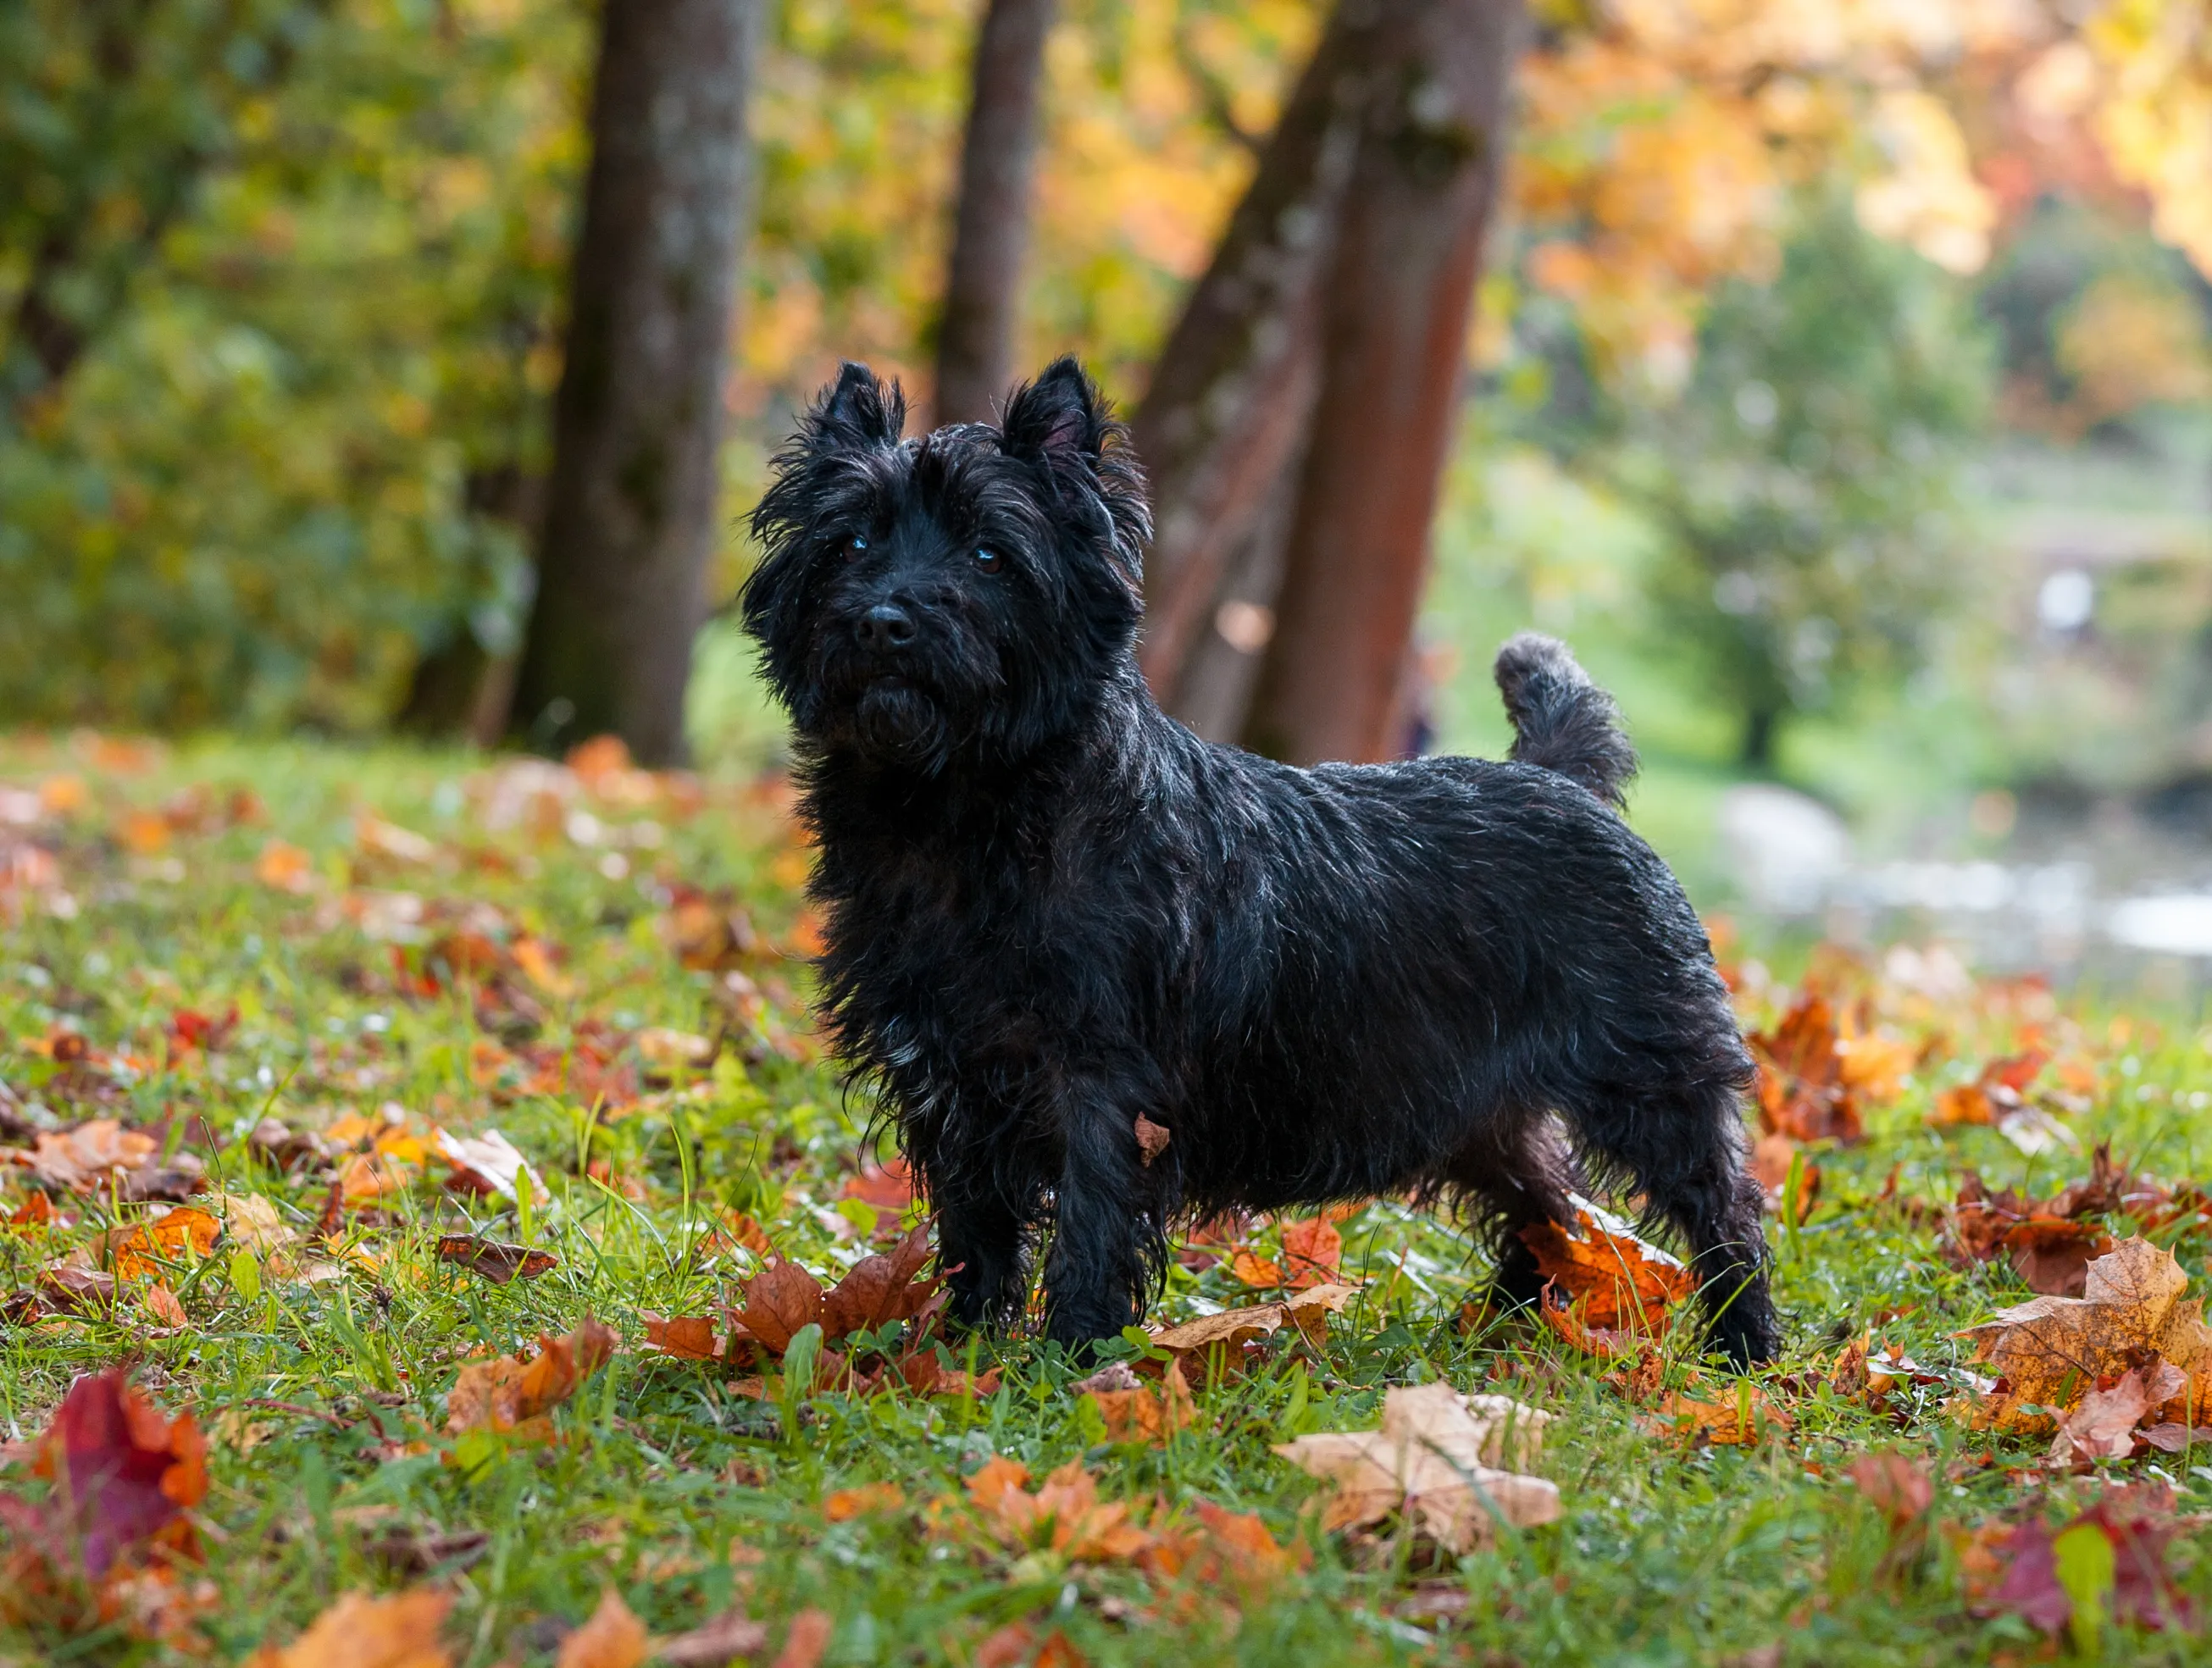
1667,1552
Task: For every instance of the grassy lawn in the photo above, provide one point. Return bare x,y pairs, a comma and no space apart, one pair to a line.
294,969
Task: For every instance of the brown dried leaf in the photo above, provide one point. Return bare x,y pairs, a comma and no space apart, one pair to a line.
1151,1140
878,1290
495,1261
687,1338
781,1301
499,1395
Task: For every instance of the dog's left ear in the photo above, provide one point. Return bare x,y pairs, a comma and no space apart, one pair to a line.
856,410
1059,416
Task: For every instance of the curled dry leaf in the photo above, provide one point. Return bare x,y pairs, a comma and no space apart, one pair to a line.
1804,1091
1437,1459
1232,1329
1614,1283
503,1394
2104,1427
1151,1140
362,1632
488,1164
2052,1352
612,1637
1131,1412
495,1261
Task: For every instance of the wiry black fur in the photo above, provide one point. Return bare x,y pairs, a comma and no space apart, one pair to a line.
1051,908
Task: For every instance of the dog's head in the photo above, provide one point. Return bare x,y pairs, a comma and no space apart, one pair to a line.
965,596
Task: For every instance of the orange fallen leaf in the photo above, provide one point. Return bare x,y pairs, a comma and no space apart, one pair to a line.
687,1338
889,1187
139,1252
1803,1090
161,1303
1740,1418
88,1156
804,1646
612,1637
1614,1281
1065,1514
1312,1251
869,1498
1256,1270
362,1632
286,867
499,1395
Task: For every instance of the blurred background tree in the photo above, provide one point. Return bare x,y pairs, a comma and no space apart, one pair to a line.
282,459
1807,482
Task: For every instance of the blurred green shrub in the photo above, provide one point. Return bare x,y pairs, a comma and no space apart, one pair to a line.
309,253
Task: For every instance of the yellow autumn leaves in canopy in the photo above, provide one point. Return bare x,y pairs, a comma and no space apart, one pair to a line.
1657,145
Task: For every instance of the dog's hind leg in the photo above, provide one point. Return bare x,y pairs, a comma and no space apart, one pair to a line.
1685,1150
1517,1172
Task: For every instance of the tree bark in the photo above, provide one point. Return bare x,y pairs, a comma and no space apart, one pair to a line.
982,284
1233,389
630,507
1394,329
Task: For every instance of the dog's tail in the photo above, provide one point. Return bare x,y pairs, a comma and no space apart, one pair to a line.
1561,720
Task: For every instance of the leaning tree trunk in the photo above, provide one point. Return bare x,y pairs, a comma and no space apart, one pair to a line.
982,284
1222,424
1395,309
630,507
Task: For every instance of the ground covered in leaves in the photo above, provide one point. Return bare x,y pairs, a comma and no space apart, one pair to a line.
431,1234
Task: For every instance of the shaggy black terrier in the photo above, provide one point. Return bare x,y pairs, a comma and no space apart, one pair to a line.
1051,910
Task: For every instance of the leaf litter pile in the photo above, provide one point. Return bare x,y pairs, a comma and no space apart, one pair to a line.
430,1234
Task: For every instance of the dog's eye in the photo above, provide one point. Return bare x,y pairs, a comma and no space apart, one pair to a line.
856,547
990,560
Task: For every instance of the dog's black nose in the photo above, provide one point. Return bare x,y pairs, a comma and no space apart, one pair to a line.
886,626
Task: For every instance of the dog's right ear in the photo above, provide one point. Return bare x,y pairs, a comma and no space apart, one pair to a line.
857,410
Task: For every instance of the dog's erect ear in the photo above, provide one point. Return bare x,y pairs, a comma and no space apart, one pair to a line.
1059,415
857,410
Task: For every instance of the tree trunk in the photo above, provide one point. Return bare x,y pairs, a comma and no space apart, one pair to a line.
1757,754
1393,331
631,506
982,284
1234,387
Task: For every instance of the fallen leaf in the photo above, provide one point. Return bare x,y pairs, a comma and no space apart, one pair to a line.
488,1164
501,1394
161,1303
2051,1351
124,1474
2135,1527
286,867
878,1290
87,1157
362,1632
138,1252
732,1633
1803,1090
1255,1270
687,1338
1997,1090
2104,1427
1151,1140
1614,1281
1312,1251
1437,1460
612,1637
493,1259
1065,1514
807,1641
1895,1486
782,1300
869,1498
1741,1419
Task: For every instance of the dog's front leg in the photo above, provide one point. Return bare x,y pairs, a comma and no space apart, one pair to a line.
1108,1223
983,1242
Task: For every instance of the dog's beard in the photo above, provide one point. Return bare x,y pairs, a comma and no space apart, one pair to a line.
897,722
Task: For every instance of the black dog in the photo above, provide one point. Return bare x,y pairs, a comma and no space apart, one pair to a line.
1052,910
